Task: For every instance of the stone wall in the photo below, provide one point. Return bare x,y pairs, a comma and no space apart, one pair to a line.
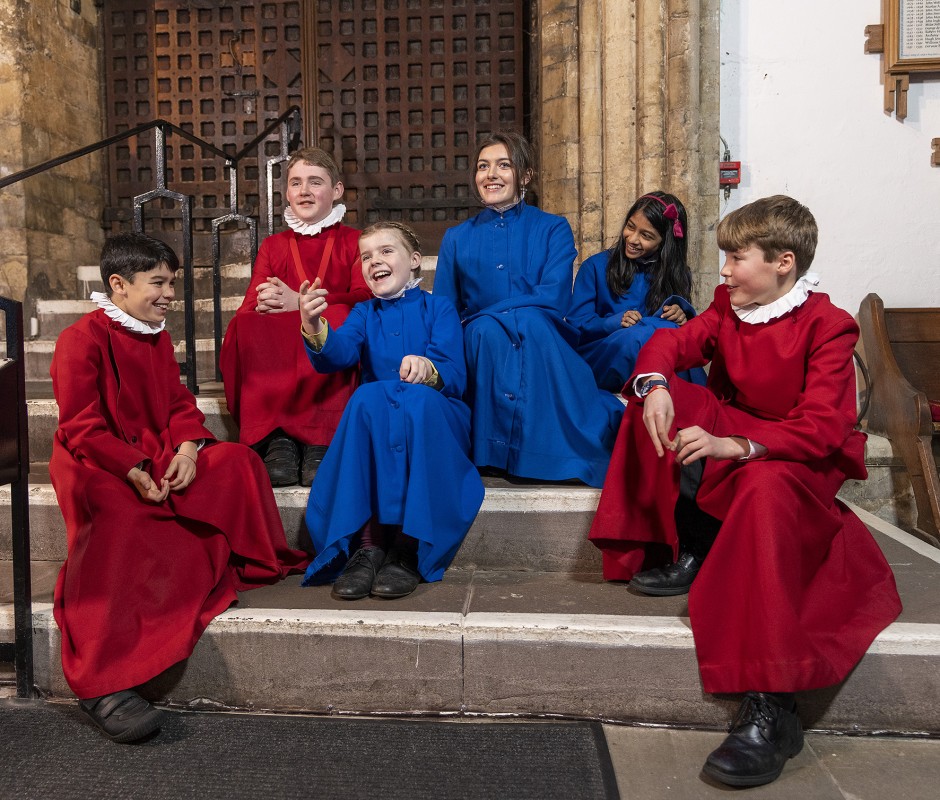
625,100
49,105
629,103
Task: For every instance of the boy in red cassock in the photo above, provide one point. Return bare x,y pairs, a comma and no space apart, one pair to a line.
164,524
284,409
794,588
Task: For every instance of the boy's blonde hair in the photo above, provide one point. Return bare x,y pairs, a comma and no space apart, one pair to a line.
315,157
774,224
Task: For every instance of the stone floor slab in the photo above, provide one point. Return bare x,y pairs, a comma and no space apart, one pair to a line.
665,764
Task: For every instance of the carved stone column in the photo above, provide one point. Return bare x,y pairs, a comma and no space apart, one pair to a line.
629,103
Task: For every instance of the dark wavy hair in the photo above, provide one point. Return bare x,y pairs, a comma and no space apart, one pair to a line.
671,274
126,254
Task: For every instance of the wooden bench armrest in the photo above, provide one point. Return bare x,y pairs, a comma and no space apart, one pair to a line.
897,407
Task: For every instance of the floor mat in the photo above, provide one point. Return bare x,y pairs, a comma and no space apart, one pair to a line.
49,751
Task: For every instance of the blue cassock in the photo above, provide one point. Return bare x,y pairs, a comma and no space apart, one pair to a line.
400,454
537,412
610,350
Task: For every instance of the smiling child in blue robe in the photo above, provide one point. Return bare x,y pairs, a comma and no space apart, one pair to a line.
397,481
623,295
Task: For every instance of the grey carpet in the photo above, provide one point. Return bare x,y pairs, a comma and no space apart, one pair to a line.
49,751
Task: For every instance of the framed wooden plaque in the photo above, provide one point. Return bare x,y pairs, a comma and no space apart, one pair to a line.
911,36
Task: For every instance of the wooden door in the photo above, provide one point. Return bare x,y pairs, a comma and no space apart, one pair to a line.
399,91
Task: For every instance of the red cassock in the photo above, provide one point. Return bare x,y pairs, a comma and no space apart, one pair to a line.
142,581
269,382
795,588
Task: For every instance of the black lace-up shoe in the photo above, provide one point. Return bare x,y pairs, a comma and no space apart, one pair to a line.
123,716
282,461
670,580
359,574
764,735
313,455
399,575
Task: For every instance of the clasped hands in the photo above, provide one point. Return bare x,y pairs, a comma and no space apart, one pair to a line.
672,313
275,297
689,444
179,474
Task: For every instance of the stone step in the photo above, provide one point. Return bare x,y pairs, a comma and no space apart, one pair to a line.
542,527
235,278
44,416
56,315
887,492
511,642
39,353
53,316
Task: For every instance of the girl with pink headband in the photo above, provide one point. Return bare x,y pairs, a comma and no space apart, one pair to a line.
642,283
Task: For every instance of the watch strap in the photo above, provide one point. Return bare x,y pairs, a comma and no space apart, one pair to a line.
651,384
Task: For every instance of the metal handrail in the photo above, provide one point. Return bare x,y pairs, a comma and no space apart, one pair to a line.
9,180
289,122
14,469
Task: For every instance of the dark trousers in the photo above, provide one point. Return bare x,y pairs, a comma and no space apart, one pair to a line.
696,529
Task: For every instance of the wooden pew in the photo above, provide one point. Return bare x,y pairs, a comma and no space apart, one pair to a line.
902,348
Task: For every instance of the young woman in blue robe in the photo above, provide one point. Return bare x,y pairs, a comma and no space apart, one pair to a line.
397,481
537,412
624,294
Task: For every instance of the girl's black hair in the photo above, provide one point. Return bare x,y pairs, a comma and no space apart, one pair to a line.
671,275
126,254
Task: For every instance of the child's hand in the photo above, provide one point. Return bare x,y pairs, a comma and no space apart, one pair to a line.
147,487
181,472
658,416
312,303
275,297
414,369
629,318
693,443
674,313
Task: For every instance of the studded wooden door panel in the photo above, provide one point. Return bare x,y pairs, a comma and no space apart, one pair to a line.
404,90
221,71
398,90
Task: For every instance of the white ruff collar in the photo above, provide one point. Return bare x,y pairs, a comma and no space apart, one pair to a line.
313,228
755,313
131,323
410,285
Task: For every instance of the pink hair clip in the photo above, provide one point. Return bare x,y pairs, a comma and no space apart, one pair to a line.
670,212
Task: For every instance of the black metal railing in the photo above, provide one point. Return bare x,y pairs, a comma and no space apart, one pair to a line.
290,129
14,470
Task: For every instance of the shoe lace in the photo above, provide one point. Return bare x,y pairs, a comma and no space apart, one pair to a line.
360,556
755,710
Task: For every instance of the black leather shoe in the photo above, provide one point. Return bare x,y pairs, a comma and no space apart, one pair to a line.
763,737
669,580
282,461
399,575
313,455
359,574
123,716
